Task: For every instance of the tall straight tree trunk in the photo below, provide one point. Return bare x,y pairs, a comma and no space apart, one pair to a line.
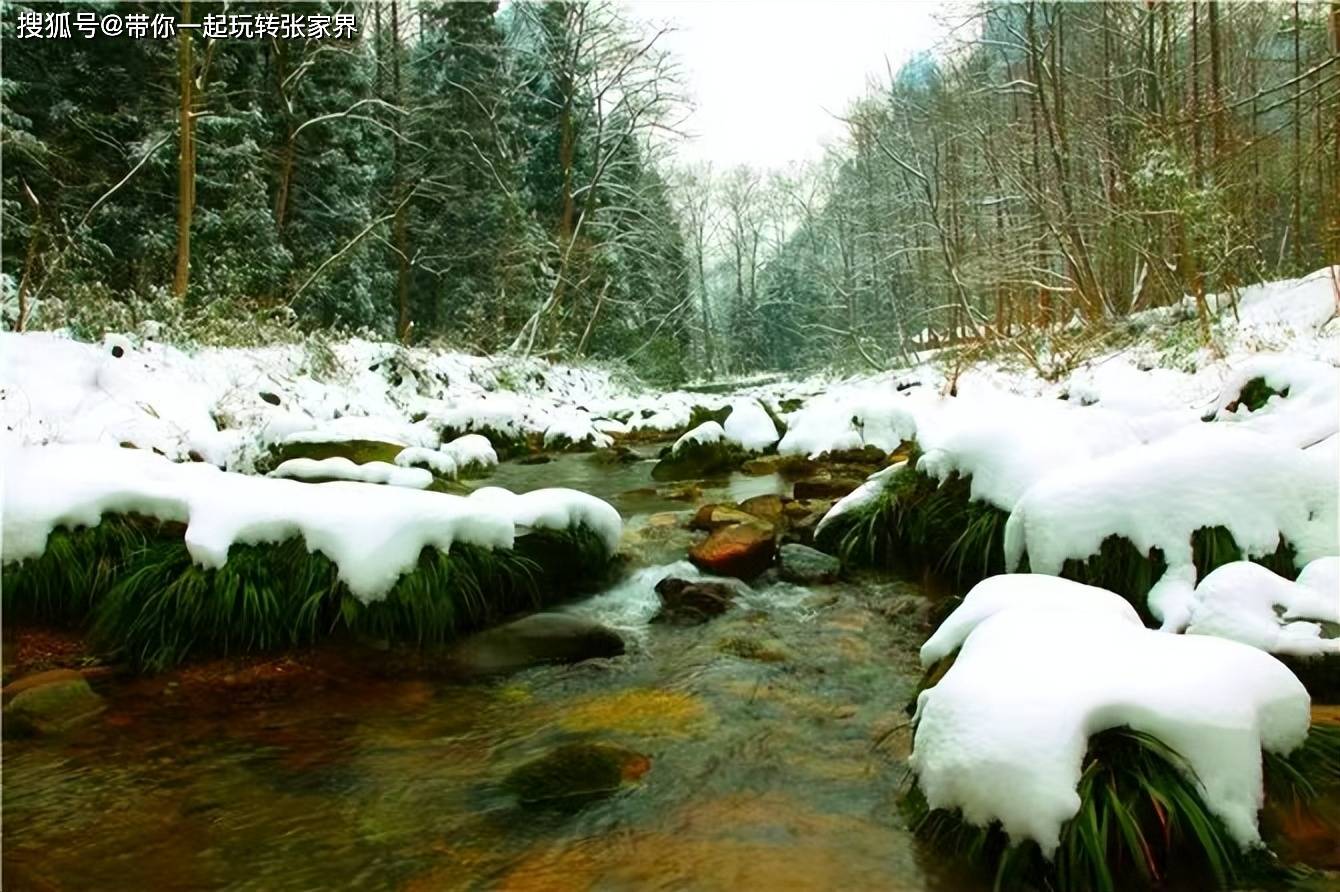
1297,144
185,156
399,227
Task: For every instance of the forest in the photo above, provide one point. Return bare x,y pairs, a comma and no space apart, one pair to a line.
506,179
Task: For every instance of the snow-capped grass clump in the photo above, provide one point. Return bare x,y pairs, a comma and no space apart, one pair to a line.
1260,489
328,469
439,463
575,429
1246,602
750,426
1003,735
373,534
707,433
1005,443
472,453
852,417
1295,399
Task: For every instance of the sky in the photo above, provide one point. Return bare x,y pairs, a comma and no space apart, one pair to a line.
767,76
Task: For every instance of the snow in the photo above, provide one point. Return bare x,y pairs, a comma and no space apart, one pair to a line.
705,433
373,534
850,416
471,451
1308,414
440,463
1246,602
344,469
1007,443
1157,495
1003,735
749,426
577,428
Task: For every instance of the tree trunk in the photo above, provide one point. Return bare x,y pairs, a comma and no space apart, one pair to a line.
185,156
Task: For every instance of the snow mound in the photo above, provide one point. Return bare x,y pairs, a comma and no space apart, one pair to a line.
1007,443
750,426
1305,408
1155,496
343,469
373,534
575,428
704,434
1246,602
850,417
471,451
436,461
1004,733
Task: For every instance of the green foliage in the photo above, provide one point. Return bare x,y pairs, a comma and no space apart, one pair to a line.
916,521
1119,567
133,583
1140,818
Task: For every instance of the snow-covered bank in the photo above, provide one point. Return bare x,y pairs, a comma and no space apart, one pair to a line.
227,406
373,534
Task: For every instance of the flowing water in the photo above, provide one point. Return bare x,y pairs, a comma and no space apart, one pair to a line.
774,773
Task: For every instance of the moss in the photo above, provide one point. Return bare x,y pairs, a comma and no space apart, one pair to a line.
693,461
505,444
359,452
131,581
752,649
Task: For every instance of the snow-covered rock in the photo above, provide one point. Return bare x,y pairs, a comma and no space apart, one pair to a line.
327,469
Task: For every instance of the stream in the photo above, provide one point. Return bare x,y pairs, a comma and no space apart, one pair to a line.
773,773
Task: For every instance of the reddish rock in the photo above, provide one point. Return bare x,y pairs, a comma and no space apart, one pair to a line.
743,550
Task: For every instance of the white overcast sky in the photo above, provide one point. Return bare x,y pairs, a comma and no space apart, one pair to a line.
766,76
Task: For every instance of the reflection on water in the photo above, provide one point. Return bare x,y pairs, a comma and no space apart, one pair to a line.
764,775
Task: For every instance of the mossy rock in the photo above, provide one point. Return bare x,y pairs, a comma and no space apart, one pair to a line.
694,461
50,708
752,649
506,445
360,452
575,774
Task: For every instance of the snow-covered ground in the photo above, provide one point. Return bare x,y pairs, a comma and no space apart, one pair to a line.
228,405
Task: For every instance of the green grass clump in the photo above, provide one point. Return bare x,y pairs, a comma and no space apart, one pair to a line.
1255,394
1119,567
919,521
1140,818
133,584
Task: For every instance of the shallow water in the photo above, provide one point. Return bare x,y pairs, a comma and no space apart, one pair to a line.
768,775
